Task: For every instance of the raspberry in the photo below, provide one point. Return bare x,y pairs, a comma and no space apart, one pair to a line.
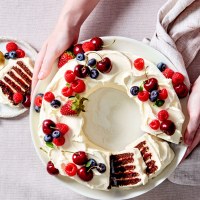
143,96
69,76
181,90
163,115
177,78
168,73
49,96
67,91
59,141
155,124
139,64
163,94
38,101
18,98
20,53
88,46
63,128
78,86
71,169
11,46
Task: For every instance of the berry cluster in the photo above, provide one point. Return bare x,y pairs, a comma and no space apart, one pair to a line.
13,51
85,172
24,99
177,80
73,85
54,132
38,102
151,92
49,97
166,126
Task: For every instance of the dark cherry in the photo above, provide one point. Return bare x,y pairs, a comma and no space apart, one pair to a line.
80,158
151,84
104,66
77,49
27,101
85,174
168,127
48,126
98,42
51,169
81,71
181,90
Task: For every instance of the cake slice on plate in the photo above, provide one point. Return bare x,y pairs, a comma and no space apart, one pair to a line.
15,77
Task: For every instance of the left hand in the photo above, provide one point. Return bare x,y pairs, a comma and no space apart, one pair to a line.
192,134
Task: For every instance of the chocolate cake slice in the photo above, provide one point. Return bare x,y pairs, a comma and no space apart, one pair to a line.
127,169
156,153
16,76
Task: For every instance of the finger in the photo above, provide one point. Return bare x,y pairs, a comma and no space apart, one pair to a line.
194,144
50,57
38,64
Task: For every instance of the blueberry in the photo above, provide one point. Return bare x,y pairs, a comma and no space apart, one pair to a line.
6,55
153,95
55,103
161,66
101,168
92,62
80,56
56,134
134,90
37,109
48,138
12,54
91,163
40,94
94,73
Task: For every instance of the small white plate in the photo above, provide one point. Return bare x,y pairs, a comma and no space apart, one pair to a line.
142,50
5,110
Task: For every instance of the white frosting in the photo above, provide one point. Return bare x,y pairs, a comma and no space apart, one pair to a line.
9,64
122,77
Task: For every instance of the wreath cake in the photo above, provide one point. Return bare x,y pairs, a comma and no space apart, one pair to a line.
63,107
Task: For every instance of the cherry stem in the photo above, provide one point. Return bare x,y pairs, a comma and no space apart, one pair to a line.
96,53
93,167
146,72
109,44
43,150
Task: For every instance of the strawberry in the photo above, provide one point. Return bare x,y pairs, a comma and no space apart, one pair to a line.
18,98
73,106
168,73
11,46
64,58
63,128
88,46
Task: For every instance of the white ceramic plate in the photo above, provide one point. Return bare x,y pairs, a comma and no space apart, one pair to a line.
142,50
5,110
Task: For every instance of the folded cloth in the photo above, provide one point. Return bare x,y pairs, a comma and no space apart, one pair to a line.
177,36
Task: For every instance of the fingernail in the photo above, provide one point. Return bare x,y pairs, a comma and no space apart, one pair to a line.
41,75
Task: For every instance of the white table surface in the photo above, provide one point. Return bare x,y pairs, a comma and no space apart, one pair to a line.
22,175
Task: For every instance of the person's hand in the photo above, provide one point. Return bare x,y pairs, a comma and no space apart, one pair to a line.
192,134
60,39
63,36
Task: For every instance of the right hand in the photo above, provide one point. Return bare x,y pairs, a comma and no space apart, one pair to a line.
60,39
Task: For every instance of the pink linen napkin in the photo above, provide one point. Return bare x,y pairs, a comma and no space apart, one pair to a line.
177,36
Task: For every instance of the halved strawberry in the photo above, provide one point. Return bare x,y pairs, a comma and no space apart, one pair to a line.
73,106
64,58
